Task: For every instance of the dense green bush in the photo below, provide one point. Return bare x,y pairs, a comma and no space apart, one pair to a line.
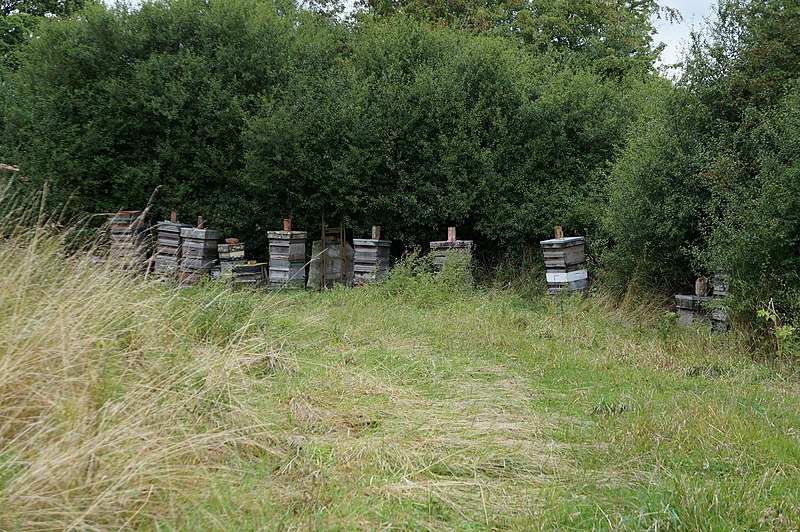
708,180
658,195
245,112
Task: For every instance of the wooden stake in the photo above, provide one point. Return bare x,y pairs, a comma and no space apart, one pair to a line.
376,232
287,224
451,234
559,232
200,222
173,217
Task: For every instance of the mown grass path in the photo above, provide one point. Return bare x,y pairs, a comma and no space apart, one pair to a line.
419,408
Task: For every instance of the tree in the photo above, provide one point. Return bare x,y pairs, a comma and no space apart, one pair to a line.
19,18
613,37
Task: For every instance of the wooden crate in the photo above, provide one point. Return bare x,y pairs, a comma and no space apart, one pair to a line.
691,309
371,260
287,259
564,260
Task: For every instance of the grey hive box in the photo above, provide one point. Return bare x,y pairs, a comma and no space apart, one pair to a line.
287,259
457,249
198,254
372,258
234,267
338,269
565,264
166,259
719,314
691,309
127,236
249,274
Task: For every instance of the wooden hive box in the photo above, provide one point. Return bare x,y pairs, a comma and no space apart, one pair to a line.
564,260
128,243
371,260
452,247
719,315
198,253
691,309
249,273
287,259
168,246
338,267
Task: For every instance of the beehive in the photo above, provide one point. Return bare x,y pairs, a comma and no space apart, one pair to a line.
287,259
249,273
198,253
719,315
128,243
166,259
371,260
457,250
234,267
691,309
230,255
336,259
565,264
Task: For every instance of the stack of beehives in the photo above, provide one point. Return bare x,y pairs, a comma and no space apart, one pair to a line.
287,257
167,257
128,242
231,254
691,309
458,251
198,254
719,316
565,263
372,258
234,266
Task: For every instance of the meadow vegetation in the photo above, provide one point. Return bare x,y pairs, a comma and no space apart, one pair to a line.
419,404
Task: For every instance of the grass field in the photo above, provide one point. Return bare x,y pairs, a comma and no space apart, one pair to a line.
415,404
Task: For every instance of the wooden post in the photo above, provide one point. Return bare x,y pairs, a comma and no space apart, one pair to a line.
173,217
287,224
451,234
559,232
200,222
376,232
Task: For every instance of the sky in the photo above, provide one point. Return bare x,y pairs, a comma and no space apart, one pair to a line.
676,36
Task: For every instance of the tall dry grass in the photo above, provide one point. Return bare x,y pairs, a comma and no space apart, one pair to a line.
113,409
